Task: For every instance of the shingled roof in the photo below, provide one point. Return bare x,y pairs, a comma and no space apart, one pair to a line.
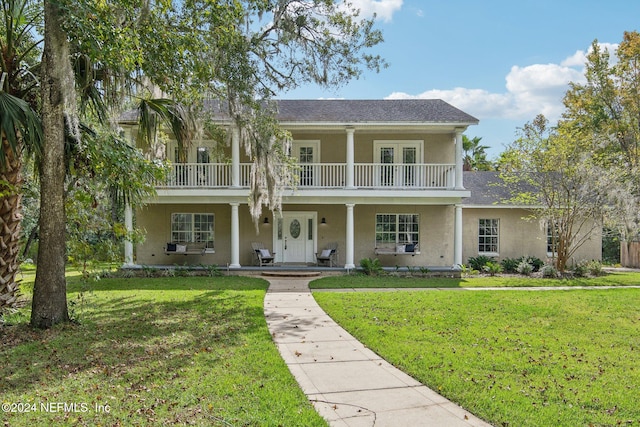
342,111
488,189
372,111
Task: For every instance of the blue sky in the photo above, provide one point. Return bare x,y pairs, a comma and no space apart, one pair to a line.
503,62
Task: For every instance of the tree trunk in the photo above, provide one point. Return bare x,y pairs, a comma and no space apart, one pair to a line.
49,305
10,221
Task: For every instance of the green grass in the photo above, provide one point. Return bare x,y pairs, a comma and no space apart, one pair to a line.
362,281
562,358
186,351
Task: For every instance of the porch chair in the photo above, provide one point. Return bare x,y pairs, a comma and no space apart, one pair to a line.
262,255
329,255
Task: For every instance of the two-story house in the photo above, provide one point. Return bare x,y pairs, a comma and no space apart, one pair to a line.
379,178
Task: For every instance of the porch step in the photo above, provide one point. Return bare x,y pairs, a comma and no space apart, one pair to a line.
291,273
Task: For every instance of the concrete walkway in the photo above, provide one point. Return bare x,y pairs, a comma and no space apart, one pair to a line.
348,384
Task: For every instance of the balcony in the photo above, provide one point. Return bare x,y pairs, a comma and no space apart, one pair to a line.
318,176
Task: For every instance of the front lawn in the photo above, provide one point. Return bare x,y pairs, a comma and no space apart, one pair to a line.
166,351
514,358
618,278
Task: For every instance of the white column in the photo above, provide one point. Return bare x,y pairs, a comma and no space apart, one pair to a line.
235,157
128,245
350,158
457,237
459,151
235,236
349,238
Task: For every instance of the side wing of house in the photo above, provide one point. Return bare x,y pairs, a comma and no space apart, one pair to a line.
499,230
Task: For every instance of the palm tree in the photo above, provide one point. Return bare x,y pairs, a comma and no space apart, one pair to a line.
20,128
475,156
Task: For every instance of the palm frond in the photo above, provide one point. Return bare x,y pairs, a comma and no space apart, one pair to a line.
20,125
174,114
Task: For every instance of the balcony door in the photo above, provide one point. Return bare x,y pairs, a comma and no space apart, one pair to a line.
307,153
397,162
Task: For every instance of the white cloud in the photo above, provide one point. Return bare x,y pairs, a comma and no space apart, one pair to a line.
530,90
384,9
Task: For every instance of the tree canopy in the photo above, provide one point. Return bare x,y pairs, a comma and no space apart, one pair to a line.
240,52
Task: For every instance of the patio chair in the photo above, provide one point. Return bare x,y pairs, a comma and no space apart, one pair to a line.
262,255
329,255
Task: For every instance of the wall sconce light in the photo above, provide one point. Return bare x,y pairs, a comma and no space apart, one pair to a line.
266,220
323,221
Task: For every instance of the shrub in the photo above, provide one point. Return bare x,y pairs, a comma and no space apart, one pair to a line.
549,271
510,265
594,267
492,268
371,267
478,262
580,269
536,262
468,271
525,268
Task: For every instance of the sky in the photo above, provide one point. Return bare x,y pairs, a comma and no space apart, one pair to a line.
502,61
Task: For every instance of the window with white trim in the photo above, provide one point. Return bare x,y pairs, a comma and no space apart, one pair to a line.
193,228
488,235
395,229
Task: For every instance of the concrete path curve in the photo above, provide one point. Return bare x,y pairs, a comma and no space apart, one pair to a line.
348,384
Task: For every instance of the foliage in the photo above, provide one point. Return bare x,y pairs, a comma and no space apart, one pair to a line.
595,268
526,359
492,268
475,156
580,269
20,128
524,268
549,271
468,271
371,267
610,246
478,263
192,350
510,265
551,170
604,110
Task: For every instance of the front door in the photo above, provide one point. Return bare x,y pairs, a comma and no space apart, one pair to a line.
295,237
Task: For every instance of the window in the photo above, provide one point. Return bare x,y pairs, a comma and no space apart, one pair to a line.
192,228
488,236
552,239
393,229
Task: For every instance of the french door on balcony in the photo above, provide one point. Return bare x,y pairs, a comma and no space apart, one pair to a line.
398,161
307,153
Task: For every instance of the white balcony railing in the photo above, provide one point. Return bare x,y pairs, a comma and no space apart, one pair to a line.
379,175
320,175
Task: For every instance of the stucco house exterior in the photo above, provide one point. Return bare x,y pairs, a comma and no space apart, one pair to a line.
378,179
497,228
